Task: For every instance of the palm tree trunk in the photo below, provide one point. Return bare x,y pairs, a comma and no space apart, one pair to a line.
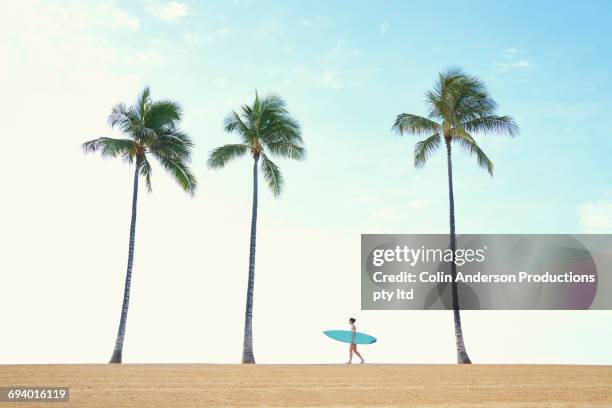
118,352
247,348
462,356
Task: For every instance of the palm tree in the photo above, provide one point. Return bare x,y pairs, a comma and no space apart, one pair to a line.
264,128
459,106
151,130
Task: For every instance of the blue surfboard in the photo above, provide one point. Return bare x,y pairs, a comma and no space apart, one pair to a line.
346,336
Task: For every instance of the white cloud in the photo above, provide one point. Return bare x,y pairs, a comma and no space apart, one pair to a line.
419,204
522,64
306,21
384,26
340,53
512,59
146,57
122,18
507,66
383,213
268,28
595,217
289,48
171,12
335,69
360,76
60,39
511,52
220,81
104,14
330,80
195,39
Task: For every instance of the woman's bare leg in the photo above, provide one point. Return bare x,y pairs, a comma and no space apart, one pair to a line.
350,354
359,355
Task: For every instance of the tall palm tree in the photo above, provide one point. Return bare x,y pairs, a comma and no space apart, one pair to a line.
264,128
458,106
151,130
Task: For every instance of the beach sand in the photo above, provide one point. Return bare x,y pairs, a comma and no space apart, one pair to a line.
201,385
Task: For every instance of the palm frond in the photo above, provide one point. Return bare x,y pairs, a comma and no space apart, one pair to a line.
118,116
144,99
441,100
239,124
220,156
125,118
450,74
462,104
181,173
171,142
272,175
504,125
146,171
435,106
288,150
109,147
152,129
425,148
472,100
280,128
273,123
162,114
414,124
264,127
469,84
467,142
143,134
272,103
256,102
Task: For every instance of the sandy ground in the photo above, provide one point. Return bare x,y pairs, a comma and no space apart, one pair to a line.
200,385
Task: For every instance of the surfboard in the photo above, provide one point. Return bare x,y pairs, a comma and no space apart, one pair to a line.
346,336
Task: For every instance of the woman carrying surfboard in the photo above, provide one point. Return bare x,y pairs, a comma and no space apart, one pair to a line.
351,336
353,346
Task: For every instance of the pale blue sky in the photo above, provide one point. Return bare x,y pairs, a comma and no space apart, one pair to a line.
346,70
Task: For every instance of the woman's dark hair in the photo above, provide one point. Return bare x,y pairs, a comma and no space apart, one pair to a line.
352,320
